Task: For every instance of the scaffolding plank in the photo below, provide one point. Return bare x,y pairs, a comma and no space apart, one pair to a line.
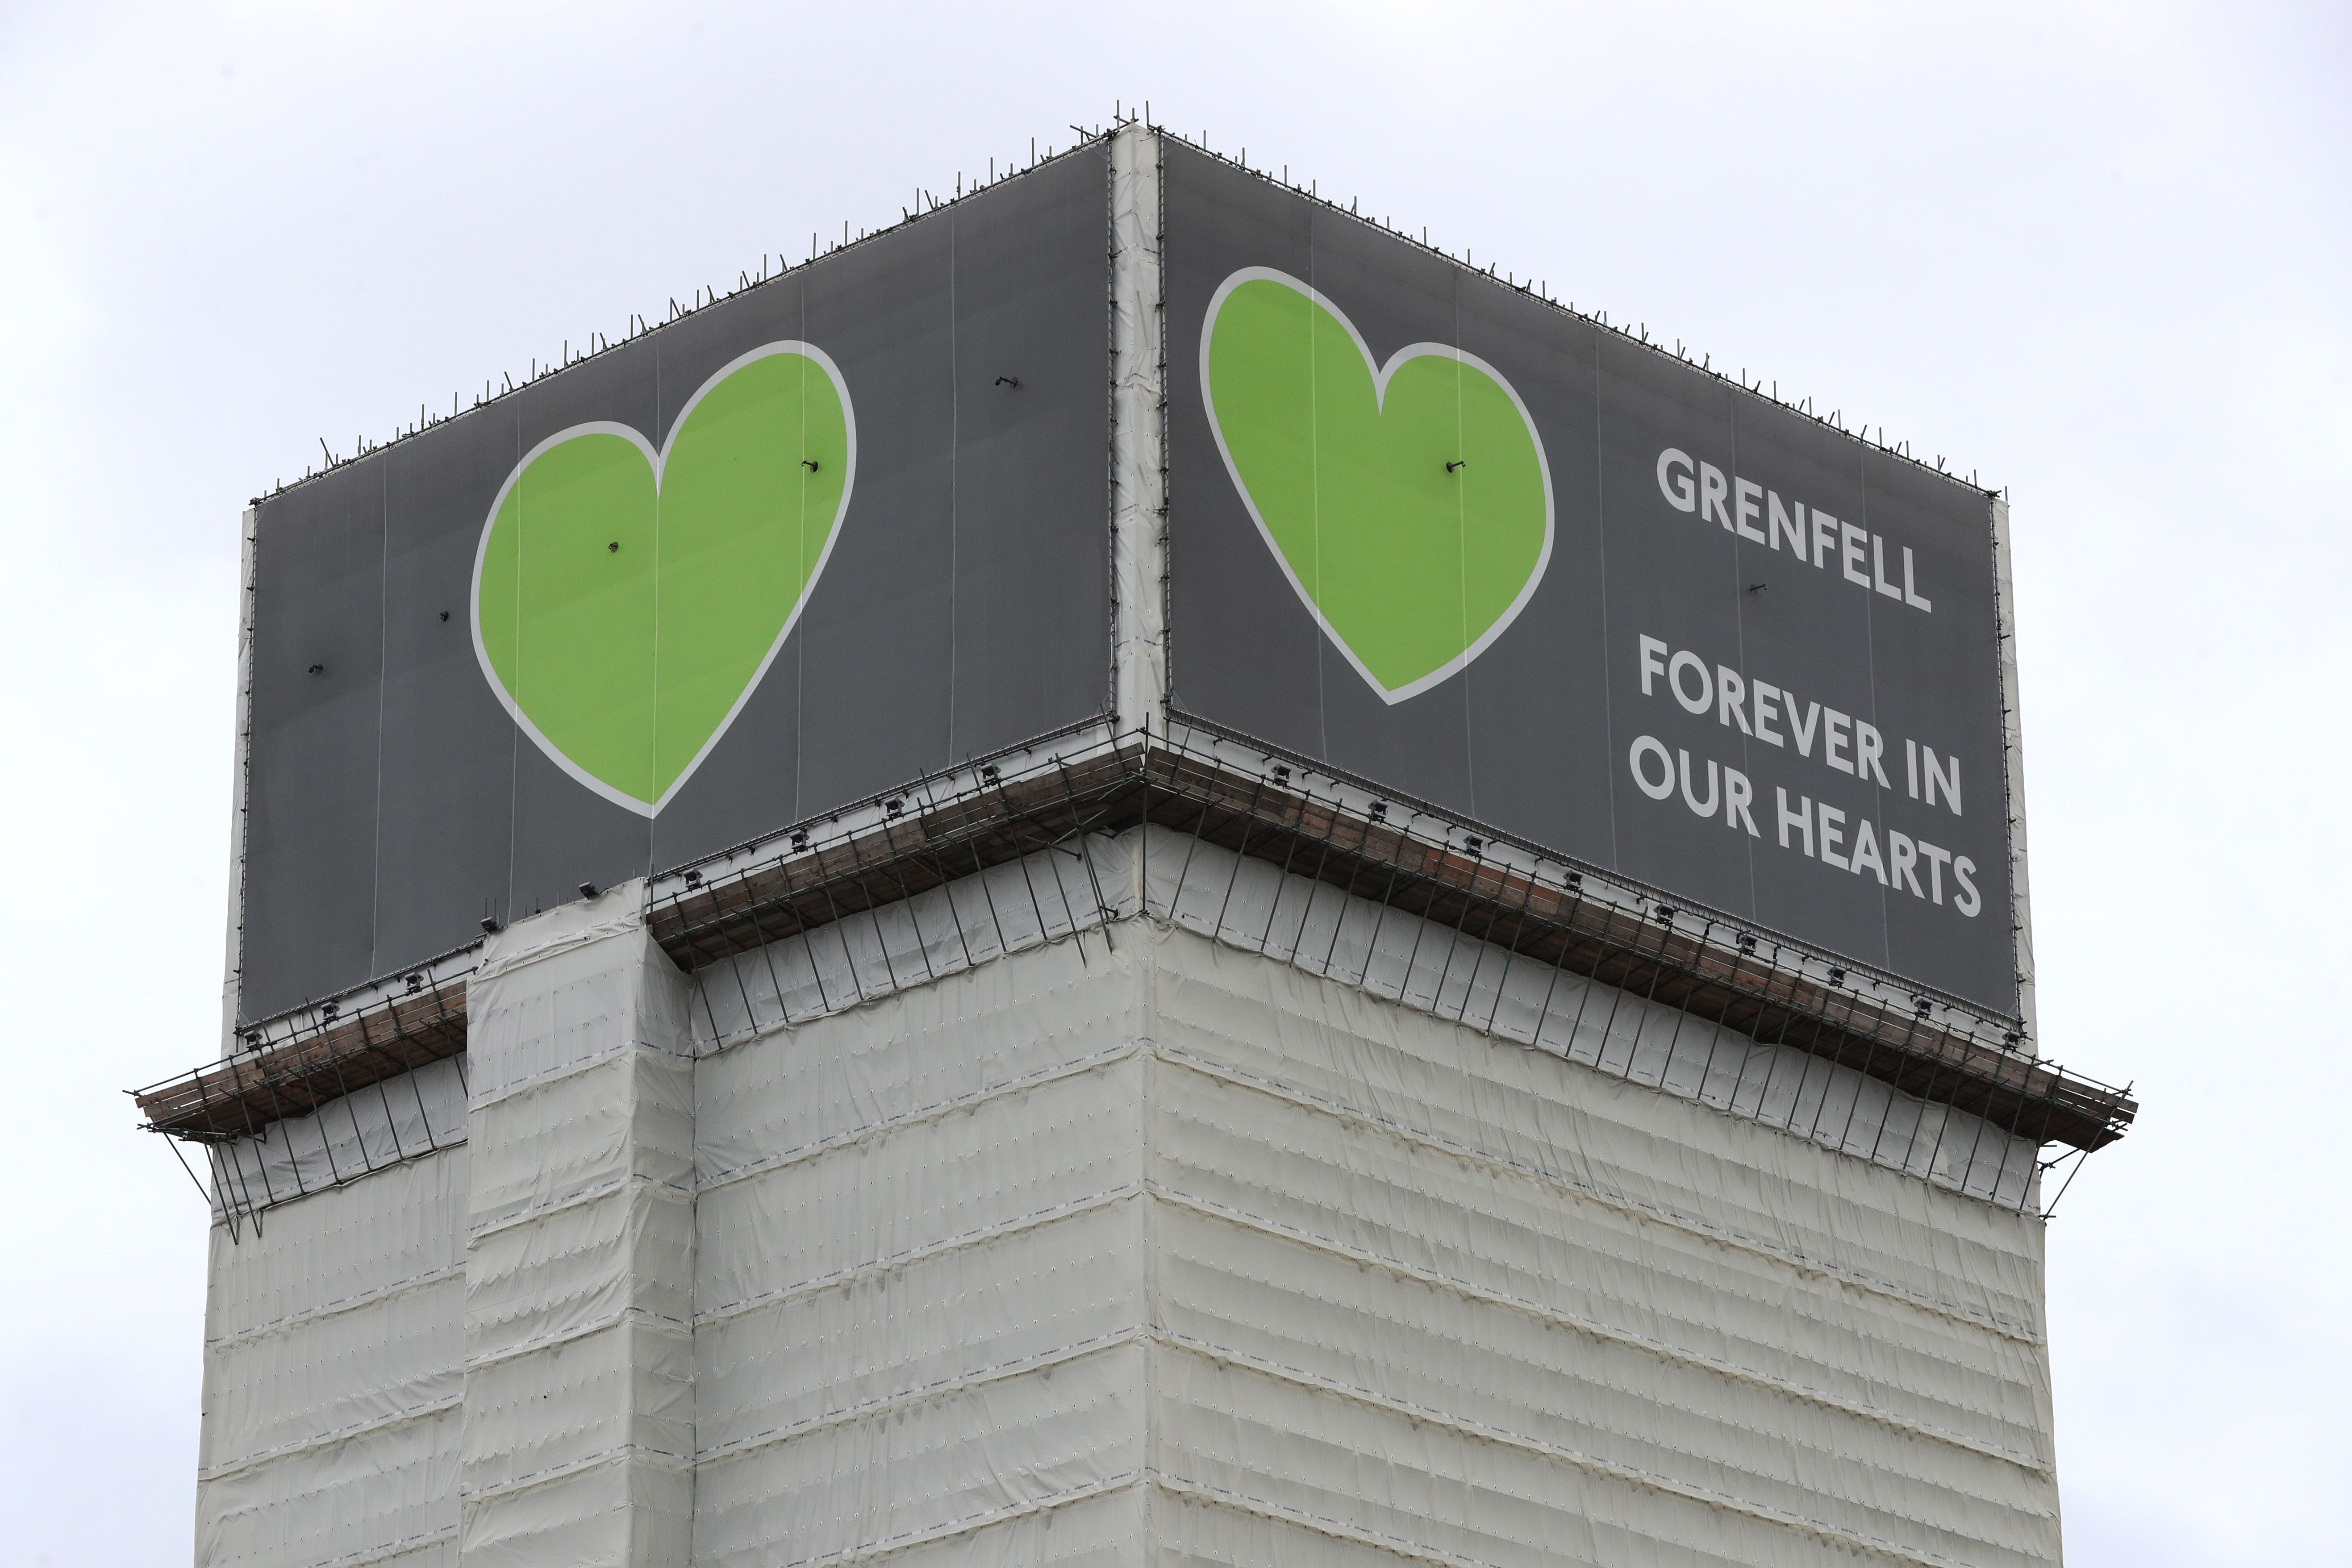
1706,965
240,1097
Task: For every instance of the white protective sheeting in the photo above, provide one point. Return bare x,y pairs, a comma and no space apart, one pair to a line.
399,1119
578,1439
1024,1230
919,1291
1382,1283
1455,1292
1138,442
335,1350
1430,968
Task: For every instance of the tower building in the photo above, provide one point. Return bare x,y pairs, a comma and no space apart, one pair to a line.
1134,873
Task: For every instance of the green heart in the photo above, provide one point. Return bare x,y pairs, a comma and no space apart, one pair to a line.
626,665
1410,506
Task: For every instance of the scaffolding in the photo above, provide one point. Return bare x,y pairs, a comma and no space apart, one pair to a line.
308,1062
299,1067
994,856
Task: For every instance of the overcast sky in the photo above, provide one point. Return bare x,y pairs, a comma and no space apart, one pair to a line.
2102,256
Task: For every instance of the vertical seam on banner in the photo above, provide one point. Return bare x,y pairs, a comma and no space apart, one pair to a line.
1462,558
653,718
955,450
800,649
383,661
1315,450
1739,643
800,555
1862,777
514,731
248,566
1113,489
1608,632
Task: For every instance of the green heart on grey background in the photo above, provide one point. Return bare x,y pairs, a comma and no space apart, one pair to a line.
1410,505
627,601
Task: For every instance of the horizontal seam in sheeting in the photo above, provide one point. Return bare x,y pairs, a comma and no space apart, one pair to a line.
401,1157
581,1199
1598,1330
405,1546
916,1254
979,1377
499,1096
974,1523
678,1464
1337,1529
1342,1530
712,1046
308,1315
1502,1437
1623,1205
652,1319
227,1468
1430,1007
937,1109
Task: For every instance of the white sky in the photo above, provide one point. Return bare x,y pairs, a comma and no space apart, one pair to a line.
2101,255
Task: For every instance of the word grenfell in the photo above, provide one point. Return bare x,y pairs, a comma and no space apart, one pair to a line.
1756,706
1813,536
1822,830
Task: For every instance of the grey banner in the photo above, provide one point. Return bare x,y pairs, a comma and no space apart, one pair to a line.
1758,669
963,607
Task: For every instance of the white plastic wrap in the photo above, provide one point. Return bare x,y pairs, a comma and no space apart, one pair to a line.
578,1440
334,1351
921,1278
402,1118
1023,1229
1391,1283
1139,435
1430,968
1452,1291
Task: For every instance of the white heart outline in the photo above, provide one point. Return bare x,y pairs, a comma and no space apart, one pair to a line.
1381,376
658,461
